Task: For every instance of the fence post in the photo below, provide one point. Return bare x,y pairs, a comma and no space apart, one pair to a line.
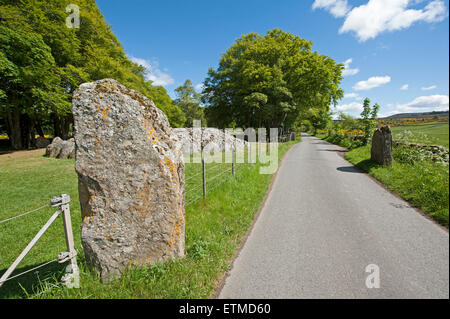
203,176
72,277
232,161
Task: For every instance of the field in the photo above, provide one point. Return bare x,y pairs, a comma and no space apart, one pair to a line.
427,133
214,229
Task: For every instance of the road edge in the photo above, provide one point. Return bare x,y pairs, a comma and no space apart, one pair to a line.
226,274
417,209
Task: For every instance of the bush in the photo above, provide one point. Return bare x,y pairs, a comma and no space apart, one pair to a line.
337,136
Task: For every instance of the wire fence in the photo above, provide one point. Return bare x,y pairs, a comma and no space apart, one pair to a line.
204,177
24,214
71,278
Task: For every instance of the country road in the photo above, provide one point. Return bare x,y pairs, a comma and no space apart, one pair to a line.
323,223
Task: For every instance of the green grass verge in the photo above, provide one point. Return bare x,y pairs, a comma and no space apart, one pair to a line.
424,184
215,228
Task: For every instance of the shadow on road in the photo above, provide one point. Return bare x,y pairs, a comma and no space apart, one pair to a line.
330,150
349,169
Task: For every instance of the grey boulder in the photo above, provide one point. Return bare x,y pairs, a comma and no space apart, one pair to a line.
130,178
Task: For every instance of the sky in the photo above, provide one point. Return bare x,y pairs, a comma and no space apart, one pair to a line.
396,52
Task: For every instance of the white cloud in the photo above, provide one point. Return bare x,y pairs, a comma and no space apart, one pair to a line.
429,88
404,87
425,104
352,96
199,87
154,74
371,83
338,8
367,21
378,16
353,107
348,70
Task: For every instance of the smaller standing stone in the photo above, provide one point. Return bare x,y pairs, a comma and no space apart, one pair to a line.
67,149
382,146
54,148
61,149
293,136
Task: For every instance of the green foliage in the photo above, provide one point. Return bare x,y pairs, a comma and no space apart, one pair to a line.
26,65
369,117
345,133
270,81
42,62
349,123
319,119
189,102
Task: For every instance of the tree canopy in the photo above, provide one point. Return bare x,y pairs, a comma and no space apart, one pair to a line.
42,62
189,102
270,81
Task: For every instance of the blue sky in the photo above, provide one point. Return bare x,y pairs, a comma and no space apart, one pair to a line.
396,51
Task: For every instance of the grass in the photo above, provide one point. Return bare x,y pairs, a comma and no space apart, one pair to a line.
428,133
215,228
424,184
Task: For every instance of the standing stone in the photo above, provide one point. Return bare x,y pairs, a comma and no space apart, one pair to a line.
67,149
293,136
54,148
382,146
61,149
130,179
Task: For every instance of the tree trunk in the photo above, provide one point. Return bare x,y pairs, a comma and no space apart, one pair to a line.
62,126
39,129
13,128
26,131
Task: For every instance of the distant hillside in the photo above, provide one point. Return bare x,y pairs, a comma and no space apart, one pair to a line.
416,115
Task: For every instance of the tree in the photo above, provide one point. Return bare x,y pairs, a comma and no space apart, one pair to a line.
349,123
319,119
270,81
369,117
189,102
43,62
29,86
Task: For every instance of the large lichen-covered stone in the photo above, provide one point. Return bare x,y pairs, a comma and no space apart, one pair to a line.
381,151
131,180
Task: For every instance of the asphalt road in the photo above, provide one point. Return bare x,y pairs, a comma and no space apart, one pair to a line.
323,223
